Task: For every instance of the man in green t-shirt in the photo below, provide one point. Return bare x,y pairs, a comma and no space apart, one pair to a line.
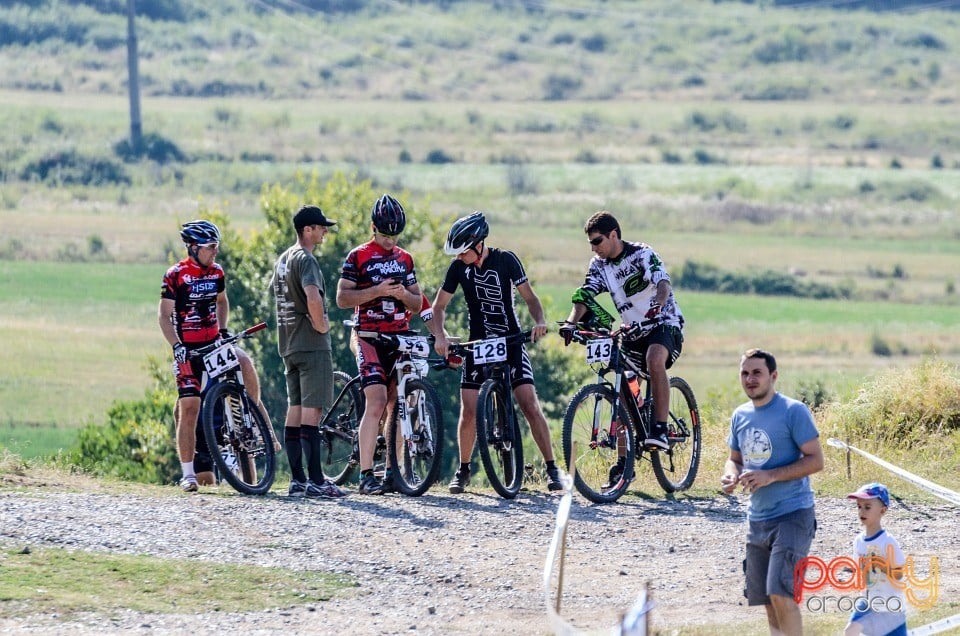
304,342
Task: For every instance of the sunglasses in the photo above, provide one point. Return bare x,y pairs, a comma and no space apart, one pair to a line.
389,236
212,246
597,240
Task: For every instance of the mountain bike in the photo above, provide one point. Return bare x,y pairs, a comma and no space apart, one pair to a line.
610,419
499,439
413,438
237,434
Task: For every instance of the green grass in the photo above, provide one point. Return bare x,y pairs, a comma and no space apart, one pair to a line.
46,581
36,441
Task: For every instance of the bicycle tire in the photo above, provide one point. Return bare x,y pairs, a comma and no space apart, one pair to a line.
243,453
341,450
595,459
501,455
418,467
676,469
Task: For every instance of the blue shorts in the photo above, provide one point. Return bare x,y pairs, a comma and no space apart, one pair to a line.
880,623
774,547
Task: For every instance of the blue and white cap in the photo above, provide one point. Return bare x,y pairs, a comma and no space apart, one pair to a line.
872,491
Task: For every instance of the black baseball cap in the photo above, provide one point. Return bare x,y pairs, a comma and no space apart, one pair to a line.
310,215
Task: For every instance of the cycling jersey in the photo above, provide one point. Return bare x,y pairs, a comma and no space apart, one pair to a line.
489,292
631,280
194,290
368,265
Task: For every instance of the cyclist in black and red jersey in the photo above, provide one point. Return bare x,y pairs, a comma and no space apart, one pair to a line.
488,277
379,281
193,309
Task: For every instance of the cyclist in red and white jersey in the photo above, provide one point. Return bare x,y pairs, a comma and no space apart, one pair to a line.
379,281
638,283
193,309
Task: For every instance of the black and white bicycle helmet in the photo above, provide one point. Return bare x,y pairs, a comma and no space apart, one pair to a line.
388,216
200,232
465,233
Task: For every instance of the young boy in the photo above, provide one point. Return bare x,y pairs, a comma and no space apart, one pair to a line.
880,611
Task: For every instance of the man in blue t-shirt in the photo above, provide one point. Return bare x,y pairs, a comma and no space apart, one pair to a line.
774,448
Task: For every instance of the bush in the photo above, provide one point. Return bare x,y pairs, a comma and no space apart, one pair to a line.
438,156
137,441
72,168
560,87
903,408
152,146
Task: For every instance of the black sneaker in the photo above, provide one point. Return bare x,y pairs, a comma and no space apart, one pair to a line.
461,479
657,439
297,488
387,484
370,485
616,472
553,479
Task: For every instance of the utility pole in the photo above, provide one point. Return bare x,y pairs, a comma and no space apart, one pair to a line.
136,130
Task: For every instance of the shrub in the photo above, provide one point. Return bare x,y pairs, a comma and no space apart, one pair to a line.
438,156
814,394
137,441
595,43
519,179
560,87
903,408
72,168
153,146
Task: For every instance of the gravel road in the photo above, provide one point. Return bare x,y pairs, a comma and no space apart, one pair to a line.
470,564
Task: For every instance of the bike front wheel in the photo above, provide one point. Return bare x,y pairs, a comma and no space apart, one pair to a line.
341,452
498,439
416,461
676,468
238,438
601,442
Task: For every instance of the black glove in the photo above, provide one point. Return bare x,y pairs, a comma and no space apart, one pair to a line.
224,334
653,312
179,353
566,332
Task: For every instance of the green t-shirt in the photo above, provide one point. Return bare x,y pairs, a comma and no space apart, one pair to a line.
296,269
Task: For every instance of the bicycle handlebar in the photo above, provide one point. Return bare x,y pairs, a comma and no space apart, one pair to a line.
462,349
582,336
240,335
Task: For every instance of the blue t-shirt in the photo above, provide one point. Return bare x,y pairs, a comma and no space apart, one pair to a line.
770,437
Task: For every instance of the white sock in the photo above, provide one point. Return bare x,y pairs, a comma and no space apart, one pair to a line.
188,470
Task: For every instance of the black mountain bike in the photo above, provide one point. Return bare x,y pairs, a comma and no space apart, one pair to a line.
416,423
608,423
237,434
499,439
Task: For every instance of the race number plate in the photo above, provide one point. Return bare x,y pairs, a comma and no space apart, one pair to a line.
220,360
598,351
490,350
415,345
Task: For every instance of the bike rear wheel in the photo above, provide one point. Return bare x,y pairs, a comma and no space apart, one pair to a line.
239,439
416,463
498,439
597,476
341,453
677,468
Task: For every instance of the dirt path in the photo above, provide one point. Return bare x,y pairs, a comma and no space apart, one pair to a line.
444,564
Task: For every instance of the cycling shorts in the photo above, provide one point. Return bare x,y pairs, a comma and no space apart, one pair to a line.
375,361
521,371
670,337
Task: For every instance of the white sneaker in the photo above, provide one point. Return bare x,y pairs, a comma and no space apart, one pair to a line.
189,483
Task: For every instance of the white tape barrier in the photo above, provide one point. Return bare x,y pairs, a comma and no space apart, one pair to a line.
634,622
929,486
950,622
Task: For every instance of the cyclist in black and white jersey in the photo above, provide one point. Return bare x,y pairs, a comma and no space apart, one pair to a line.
488,277
638,283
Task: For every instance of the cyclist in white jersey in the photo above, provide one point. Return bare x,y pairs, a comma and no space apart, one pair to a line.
638,283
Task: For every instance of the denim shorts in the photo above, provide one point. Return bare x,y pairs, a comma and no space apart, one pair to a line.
774,547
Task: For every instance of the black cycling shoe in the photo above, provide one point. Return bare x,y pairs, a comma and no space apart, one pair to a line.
553,479
370,485
616,472
461,479
658,439
387,483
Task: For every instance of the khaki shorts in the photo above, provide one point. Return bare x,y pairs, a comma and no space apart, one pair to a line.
309,377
